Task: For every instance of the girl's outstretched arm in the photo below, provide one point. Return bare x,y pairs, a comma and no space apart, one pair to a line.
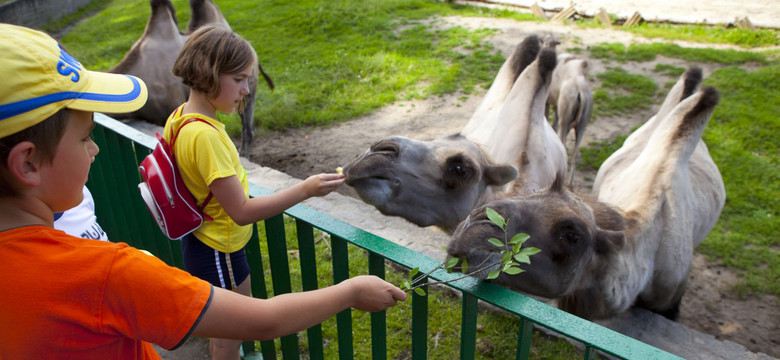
230,195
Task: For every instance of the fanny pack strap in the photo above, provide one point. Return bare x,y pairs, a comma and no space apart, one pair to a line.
174,135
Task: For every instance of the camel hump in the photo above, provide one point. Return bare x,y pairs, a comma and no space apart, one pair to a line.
699,115
692,78
204,12
547,61
525,54
162,11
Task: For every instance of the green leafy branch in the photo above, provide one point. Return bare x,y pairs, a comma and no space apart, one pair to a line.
512,250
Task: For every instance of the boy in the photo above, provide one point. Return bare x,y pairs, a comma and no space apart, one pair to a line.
66,297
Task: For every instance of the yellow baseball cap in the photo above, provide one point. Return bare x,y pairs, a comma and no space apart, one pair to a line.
38,78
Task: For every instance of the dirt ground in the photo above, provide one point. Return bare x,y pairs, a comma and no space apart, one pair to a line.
708,305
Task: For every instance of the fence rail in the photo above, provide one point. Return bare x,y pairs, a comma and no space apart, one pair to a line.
113,181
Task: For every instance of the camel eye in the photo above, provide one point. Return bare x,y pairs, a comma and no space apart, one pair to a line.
570,238
459,170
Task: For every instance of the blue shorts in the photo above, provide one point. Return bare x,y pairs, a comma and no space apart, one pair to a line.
220,269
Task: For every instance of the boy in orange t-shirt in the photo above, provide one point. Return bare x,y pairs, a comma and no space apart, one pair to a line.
71,298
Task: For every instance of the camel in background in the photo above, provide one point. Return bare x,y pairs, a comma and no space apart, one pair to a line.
630,242
506,148
572,101
152,56
570,98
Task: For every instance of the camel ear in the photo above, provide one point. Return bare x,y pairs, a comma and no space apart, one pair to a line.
500,175
608,241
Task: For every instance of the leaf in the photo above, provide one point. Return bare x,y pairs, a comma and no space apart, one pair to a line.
519,238
513,270
414,272
522,258
493,274
419,291
531,251
406,285
496,242
464,267
451,262
495,217
505,259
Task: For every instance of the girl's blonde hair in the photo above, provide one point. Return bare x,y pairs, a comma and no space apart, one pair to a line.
209,52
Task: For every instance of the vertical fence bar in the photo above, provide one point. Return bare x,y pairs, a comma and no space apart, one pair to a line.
255,258
376,266
590,352
468,326
524,339
280,274
340,261
420,321
309,281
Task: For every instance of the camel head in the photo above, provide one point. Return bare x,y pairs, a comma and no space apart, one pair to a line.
426,182
507,147
576,236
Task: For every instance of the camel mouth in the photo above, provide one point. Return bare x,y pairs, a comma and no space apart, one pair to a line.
367,180
375,190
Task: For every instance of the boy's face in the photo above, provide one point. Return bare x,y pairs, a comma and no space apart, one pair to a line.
64,179
232,88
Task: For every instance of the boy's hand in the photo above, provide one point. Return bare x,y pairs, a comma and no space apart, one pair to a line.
322,184
373,294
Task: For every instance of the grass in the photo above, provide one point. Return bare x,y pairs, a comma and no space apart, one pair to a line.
331,61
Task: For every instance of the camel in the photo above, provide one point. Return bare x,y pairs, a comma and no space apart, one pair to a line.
152,56
629,243
506,148
572,101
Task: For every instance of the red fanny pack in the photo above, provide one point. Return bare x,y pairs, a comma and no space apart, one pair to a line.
169,201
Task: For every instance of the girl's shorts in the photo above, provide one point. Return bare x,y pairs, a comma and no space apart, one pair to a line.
220,269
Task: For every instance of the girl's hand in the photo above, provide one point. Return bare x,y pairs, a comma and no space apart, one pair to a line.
322,184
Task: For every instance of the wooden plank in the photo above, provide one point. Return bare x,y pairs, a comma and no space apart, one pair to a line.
565,14
537,10
746,24
604,18
633,20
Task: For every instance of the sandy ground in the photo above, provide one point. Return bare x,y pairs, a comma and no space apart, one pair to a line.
708,305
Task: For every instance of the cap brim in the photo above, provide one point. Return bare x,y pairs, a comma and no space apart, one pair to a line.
111,93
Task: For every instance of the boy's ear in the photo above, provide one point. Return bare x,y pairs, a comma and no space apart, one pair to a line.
23,164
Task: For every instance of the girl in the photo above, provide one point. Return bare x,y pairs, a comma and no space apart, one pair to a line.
216,64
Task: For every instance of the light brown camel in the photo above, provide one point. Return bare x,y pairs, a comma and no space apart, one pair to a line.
506,148
572,101
152,56
631,242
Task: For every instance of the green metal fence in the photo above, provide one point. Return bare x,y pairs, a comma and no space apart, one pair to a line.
113,181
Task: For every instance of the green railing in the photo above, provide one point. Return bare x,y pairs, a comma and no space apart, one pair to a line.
114,179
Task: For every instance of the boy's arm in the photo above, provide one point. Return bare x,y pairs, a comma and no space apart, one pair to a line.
230,195
234,316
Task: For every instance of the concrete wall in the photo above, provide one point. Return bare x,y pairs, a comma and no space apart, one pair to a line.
37,13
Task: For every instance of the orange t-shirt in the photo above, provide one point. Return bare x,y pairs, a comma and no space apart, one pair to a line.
69,298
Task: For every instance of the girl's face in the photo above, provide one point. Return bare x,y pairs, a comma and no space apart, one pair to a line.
232,88
64,178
